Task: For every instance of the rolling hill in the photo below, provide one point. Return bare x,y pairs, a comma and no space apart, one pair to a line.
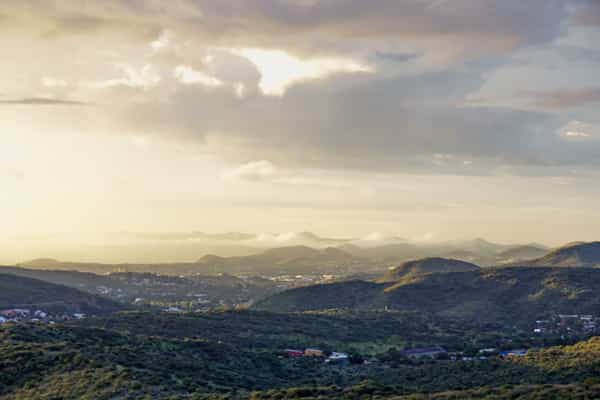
277,261
520,253
579,254
428,266
510,295
157,289
287,260
21,292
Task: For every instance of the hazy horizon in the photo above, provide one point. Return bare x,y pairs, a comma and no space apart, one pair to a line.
177,247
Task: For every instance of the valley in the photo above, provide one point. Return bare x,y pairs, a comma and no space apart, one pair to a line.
427,328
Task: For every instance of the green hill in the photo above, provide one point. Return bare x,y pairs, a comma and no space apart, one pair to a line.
520,253
510,295
21,292
427,266
579,254
277,261
286,260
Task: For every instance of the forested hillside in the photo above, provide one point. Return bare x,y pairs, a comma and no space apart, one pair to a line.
233,355
21,292
507,295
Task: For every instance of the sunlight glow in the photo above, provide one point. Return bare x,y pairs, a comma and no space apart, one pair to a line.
280,70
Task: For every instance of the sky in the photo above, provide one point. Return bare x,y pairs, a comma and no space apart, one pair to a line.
427,119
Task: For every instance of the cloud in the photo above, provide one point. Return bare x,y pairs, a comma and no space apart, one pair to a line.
588,13
577,130
280,70
163,41
11,173
369,123
396,57
144,77
577,134
31,101
54,83
316,28
374,85
565,98
262,170
189,76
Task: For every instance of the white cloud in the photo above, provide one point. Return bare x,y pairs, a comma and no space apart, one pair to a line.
239,89
577,130
577,134
189,76
253,171
280,70
54,83
163,41
11,173
144,77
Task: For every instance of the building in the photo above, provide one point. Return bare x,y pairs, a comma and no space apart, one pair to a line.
424,352
14,313
314,353
294,353
514,353
487,350
338,358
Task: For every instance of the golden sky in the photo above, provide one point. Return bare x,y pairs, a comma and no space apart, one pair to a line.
420,118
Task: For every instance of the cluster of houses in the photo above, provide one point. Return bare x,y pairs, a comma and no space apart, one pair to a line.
332,358
429,352
567,324
20,315
483,354
433,352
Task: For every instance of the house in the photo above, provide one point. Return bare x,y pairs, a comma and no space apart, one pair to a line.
424,352
568,316
313,353
514,353
487,350
294,353
338,358
8,313
15,312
